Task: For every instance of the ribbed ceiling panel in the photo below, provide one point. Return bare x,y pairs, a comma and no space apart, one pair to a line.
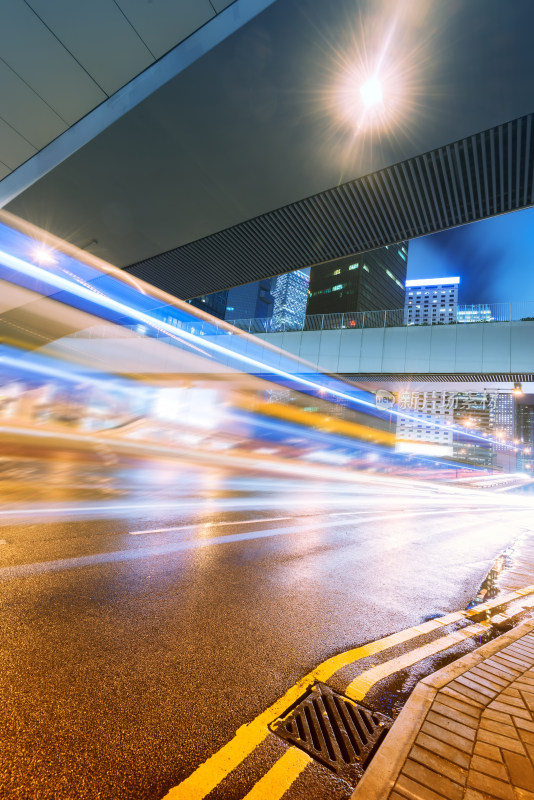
477,177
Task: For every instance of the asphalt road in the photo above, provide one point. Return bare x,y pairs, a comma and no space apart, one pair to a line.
149,612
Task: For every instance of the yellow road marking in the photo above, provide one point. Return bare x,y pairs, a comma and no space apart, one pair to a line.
204,779
209,774
359,687
281,776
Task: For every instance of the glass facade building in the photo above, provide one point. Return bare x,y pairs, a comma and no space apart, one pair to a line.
251,301
371,281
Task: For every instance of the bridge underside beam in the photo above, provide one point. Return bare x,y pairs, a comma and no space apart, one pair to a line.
481,176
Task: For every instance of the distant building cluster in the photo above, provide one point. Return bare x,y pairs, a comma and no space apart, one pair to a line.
434,301
281,300
475,313
438,423
434,422
373,281
436,419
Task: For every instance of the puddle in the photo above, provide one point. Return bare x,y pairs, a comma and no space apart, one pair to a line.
489,588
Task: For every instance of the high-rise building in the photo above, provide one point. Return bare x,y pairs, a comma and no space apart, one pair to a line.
371,281
429,420
503,422
524,432
251,301
431,301
290,292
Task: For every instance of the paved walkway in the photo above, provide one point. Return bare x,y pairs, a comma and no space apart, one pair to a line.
467,732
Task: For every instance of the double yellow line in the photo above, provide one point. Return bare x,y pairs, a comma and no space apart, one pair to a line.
284,772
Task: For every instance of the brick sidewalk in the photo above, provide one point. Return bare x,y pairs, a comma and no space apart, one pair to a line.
466,732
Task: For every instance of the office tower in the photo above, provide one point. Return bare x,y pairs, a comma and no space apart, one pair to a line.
429,420
370,281
251,301
431,301
475,313
524,432
214,304
503,419
290,292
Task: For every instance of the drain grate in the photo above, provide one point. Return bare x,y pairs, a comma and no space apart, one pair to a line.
338,732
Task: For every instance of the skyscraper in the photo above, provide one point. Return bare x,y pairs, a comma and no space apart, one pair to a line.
290,292
431,301
371,281
504,418
524,431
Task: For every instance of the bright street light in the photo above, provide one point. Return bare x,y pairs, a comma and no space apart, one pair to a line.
371,92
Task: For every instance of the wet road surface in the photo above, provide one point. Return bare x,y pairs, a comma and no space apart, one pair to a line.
141,628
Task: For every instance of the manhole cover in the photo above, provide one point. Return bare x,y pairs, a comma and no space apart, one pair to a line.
338,732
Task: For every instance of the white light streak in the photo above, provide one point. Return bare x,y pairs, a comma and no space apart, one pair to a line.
192,340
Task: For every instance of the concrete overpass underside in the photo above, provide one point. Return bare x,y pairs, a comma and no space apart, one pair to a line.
212,152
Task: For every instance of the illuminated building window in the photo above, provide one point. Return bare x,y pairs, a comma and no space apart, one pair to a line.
353,266
366,268
336,272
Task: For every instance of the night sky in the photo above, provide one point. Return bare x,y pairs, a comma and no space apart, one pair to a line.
494,258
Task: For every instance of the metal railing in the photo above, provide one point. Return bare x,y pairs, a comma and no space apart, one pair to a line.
392,318
486,313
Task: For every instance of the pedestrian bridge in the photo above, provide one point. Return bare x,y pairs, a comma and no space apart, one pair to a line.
495,351
492,348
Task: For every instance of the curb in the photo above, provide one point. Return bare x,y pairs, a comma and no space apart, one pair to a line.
380,778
